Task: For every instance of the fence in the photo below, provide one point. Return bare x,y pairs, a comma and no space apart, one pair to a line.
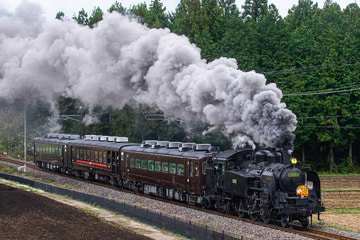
186,228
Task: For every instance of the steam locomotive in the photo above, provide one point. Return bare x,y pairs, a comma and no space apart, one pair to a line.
261,184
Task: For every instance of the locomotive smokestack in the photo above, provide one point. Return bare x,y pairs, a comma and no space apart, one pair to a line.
286,157
121,60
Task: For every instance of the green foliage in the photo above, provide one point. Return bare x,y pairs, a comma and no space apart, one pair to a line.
117,7
82,17
96,16
60,15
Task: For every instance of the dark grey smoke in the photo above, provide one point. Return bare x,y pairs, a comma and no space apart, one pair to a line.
121,60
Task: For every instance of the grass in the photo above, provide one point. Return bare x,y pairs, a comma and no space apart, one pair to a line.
339,189
8,169
338,175
346,211
333,226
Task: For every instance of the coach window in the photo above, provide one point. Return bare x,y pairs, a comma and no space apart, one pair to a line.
100,156
114,156
92,155
88,155
104,157
137,163
165,167
132,162
144,164
151,165
204,165
172,167
81,154
191,169
108,157
196,169
96,156
180,169
158,166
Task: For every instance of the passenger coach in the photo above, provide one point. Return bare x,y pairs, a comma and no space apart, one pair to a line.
167,169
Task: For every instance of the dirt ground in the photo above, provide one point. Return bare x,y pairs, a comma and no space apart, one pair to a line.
26,215
341,193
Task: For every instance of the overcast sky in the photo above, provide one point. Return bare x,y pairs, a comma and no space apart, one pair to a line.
69,7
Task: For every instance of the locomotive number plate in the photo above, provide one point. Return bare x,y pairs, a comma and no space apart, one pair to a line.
293,174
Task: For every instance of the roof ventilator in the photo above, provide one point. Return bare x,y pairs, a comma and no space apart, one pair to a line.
186,147
147,143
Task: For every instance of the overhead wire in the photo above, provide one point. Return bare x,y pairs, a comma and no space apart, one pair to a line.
344,63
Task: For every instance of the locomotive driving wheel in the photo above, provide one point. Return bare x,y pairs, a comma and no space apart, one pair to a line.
254,216
241,209
304,222
285,220
264,217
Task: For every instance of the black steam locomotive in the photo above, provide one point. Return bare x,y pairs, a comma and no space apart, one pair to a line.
263,185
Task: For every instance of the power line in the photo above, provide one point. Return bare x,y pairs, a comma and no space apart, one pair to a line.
320,93
331,116
330,127
344,63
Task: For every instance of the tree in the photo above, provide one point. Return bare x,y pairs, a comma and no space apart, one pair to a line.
82,17
117,7
96,16
140,11
254,10
60,15
155,17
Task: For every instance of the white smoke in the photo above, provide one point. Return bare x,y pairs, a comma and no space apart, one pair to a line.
121,60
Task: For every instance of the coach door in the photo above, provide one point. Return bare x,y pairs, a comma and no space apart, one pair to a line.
114,156
191,175
63,155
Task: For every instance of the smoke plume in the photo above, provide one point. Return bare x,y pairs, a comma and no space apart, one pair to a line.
121,60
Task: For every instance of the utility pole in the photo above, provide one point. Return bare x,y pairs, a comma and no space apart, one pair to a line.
82,131
25,148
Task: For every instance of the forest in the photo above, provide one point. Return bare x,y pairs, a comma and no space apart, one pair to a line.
312,55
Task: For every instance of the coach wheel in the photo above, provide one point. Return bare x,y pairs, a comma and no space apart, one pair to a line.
205,203
113,181
285,220
304,222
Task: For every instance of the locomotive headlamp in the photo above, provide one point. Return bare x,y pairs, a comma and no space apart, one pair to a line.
293,161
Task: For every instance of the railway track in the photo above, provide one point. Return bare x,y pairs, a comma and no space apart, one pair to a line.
306,232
